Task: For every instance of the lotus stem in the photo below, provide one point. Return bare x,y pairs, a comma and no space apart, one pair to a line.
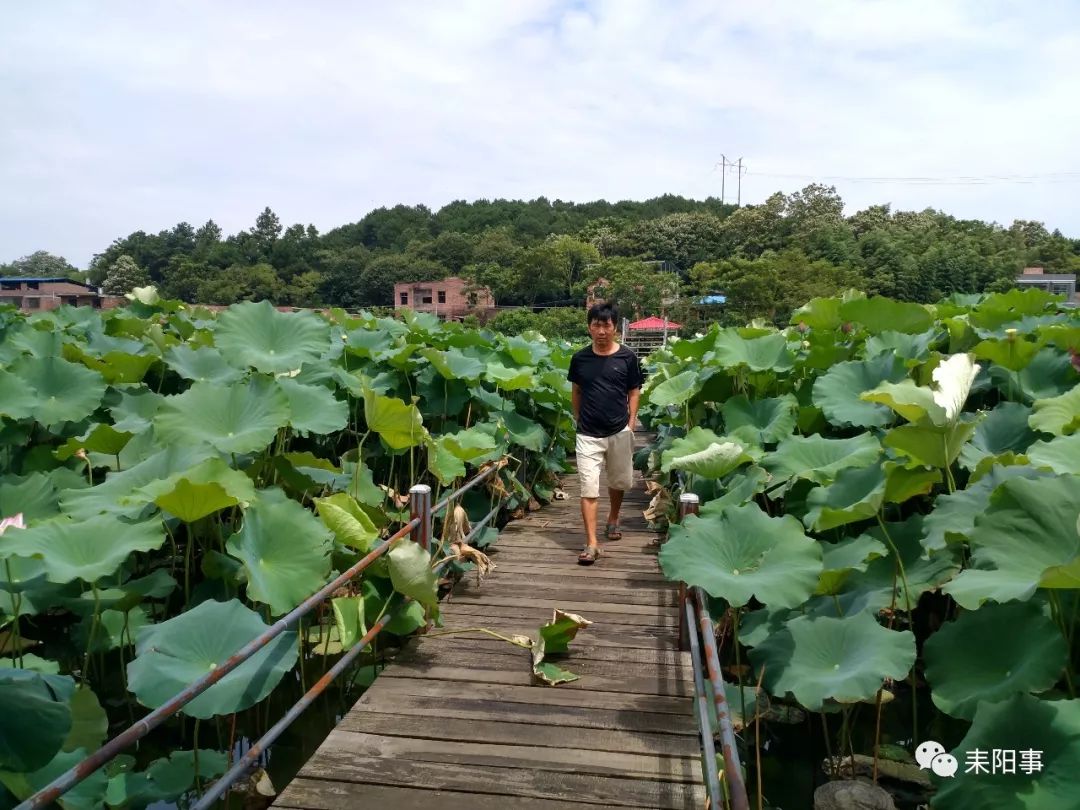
892,618
877,729
195,757
93,632
828,745
737,614
1066,632
16,639
492,633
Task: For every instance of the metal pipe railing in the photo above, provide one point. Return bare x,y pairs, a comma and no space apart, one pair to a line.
708,747
457,493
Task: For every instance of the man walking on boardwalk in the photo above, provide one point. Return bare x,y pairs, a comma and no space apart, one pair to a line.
607,382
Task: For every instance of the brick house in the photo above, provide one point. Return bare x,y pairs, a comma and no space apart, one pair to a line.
1055,283
451,299
38,293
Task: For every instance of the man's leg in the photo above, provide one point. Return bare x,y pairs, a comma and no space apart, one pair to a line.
588,516
620,470
590,455
615,500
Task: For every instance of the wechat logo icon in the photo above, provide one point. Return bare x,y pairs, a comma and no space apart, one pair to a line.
933,755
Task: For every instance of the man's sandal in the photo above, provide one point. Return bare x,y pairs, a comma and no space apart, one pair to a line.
613,532
589,555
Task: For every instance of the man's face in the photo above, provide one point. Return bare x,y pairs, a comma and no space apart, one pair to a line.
602,333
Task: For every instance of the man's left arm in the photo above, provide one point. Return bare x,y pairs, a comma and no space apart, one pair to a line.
633,397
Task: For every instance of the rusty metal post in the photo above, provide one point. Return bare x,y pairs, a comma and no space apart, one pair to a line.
688,505
420,507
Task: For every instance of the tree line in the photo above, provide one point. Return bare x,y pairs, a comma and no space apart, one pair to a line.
662,254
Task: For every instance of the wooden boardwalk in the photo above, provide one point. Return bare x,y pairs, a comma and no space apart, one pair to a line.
457,722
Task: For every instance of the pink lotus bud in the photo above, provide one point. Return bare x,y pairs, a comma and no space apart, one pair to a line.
15,522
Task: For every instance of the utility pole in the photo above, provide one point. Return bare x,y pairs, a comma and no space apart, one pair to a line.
723,177
738,199
724,165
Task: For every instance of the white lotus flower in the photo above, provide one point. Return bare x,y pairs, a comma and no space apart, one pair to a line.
14,522
954,378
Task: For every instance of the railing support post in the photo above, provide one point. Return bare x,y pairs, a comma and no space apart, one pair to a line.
688,505
420,507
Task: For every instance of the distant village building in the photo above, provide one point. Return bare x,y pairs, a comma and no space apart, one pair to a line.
649,334
450,299
31,294
1055,283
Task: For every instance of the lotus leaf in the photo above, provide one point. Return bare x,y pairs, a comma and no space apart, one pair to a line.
50,390
114,366
350,524
912,348
257,335
115,628
1061,454
743,553
992,653
1012,352
86,795
284,549
313,408
509,379
37,718
89,723
399,425
524,351
856,494
1058,415
762,421
819,314
739,488
816,458
442,463
349,618
165,780
839,391
817,658
1042,511
201,364
1045,377
469,445
913,402
1024,724
411,573
930,445
177,652
704,453
87,550
879,315
523,431
208,487
453,365
767,353
135,410
676,390
903,483
240,418
34,496
849,554
1004,429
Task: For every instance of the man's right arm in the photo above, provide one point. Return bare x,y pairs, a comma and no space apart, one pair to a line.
575,401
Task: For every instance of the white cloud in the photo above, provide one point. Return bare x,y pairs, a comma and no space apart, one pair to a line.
146,115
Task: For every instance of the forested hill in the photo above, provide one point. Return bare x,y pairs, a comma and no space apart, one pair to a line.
766,258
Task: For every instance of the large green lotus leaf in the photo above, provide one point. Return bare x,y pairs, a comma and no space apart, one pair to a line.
992,653
411,573
285,551
818,459
1002,430
1058,415
839,391
879,314
89,723
37,717
35,496
953,518
903,483
523,431
135,411
201,364
368,342
695,348
109,496
743,553
913,402
763,421
510,379
739,488
822,314
49,390
349,618
454,365
1061,454
442,463
1021,723
818,658
113,366
675,390
930,445
849,554
470,444
238,418
115,628
100,438
313,408
1027,539
1048,375
856,494
88,549
766,353
87,795
208,487
256,334
524,351
704,453
350,524
912,348
1012,352
398,424
177,652
165,780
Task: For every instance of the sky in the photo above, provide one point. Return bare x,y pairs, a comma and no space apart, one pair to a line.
125,116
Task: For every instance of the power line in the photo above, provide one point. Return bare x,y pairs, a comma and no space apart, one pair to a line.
929,180
724,165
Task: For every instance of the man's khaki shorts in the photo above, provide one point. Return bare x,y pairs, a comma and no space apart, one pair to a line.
616,453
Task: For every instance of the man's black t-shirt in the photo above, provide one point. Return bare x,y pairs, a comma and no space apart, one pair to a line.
605,381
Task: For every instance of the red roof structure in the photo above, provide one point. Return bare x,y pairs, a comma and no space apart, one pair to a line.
652,322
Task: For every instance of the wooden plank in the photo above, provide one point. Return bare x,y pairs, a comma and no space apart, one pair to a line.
606,791
564,717
543,615
533,694
568,591
597,635
508,732
488,755
572,569
575,604
319,794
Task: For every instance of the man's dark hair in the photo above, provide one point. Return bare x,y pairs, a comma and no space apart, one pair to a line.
603,311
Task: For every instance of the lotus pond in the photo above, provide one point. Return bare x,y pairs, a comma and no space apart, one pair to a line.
172,480
889,538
